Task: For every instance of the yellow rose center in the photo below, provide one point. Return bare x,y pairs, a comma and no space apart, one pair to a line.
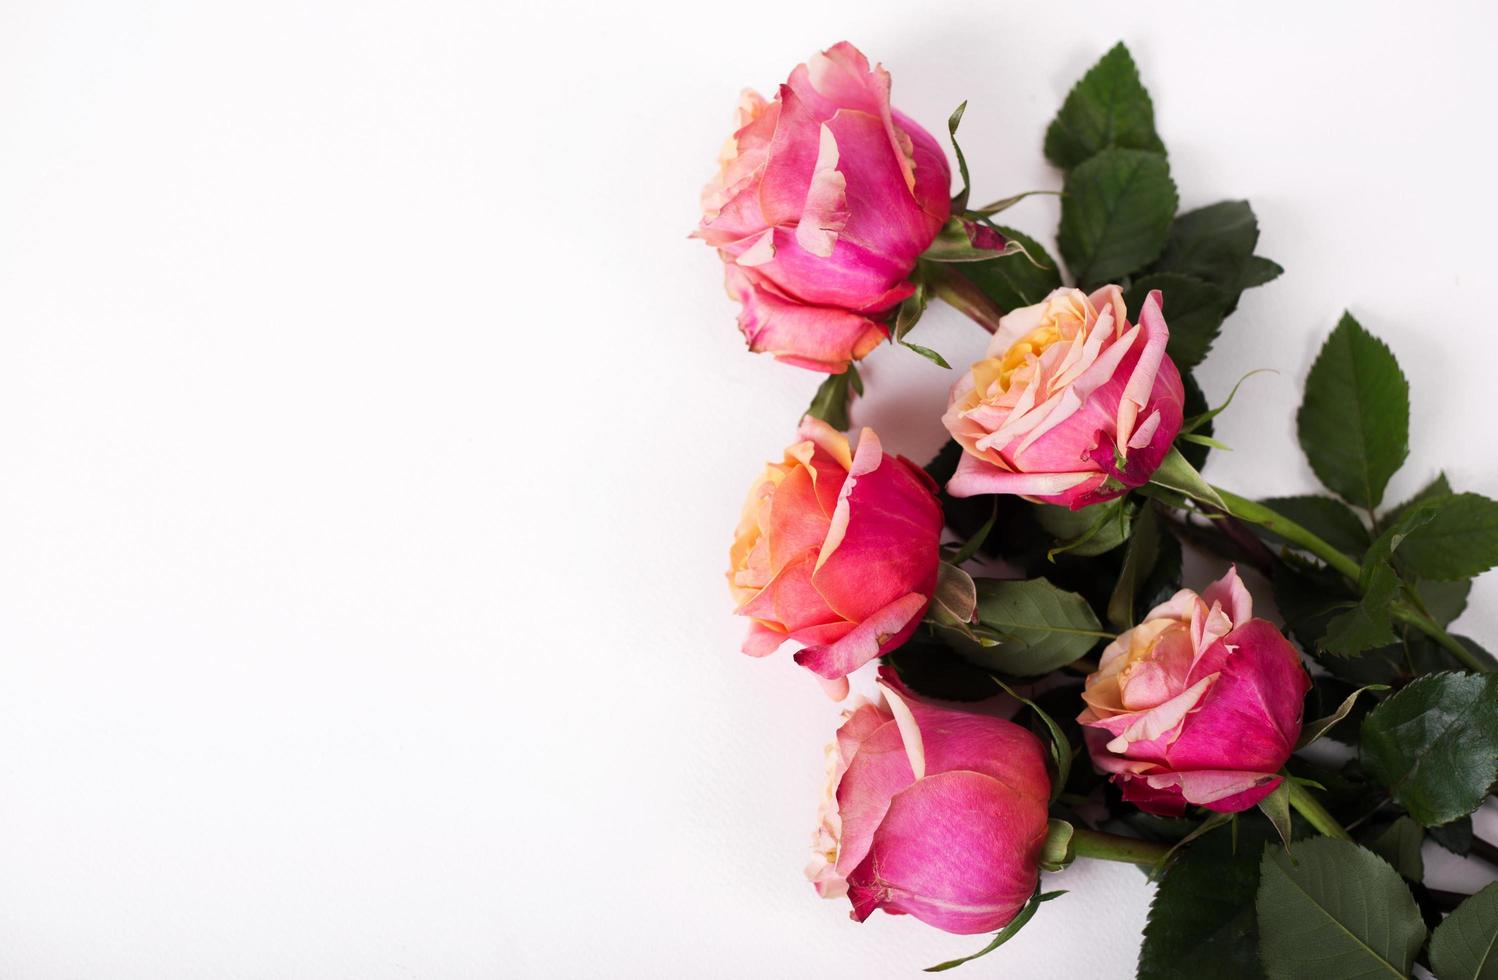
1018,355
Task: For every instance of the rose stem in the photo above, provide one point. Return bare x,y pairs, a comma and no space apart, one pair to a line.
958,292
1247,510
1112,847
1316,815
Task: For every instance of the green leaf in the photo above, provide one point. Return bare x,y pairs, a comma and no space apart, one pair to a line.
1060,746
1139,561
1444,600
1455,836
1107,107
1090,531
1321,726
1465,945
1335,911
1201,921
1329,519
1193,308
1434,490
971,545
928,354
834,397
1459,541
955,598
1016,280
1214,243
1004,935
909,312
1354,422
1174,473
1258,271
1115,215
1276,806
1039,626
1370,622
1434,744
959,202
1399,844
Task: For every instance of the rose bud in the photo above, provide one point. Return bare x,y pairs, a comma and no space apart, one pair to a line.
822,202
931,812
836,550
1198,704
1071,406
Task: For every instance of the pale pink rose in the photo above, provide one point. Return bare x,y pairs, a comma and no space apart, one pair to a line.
931,812
1198,704
837,550
823,199
1072,405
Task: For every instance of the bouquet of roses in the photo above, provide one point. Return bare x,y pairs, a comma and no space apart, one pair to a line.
1078,699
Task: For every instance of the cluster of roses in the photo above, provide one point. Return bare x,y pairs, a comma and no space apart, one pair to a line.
1080,435
825,199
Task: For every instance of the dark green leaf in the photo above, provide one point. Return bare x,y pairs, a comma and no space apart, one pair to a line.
1434,490
1193,308
1196,408
1258,271
1460,539
1014,281
1214,243
1335,911
1370,622
932,669
1276,806
1455,836
1039,627
928,354
1004,935
909,312
1201,922
1444,600
1354,422
1434,744
1115,215
1308,597
1139,561
1328,519
834,397
1060,746
1399,844
1465,945
1321,726
1108,107
959,202
1087,532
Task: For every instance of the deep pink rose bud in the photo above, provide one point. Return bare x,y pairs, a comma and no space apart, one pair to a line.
1198,704
822,202
931,812
836,550
1072,405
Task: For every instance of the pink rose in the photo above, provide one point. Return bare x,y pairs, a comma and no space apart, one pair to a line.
1198,704
1072,405
823,200
836,550
931,812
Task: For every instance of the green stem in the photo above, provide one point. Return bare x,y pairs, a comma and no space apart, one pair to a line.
1255,513
1432,629
1112,847
1316,815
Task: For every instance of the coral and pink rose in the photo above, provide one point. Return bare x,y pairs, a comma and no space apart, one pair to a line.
823,199
1072,405
1198,704
931,812
837,550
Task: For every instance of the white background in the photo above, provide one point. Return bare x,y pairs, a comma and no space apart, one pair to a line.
371,438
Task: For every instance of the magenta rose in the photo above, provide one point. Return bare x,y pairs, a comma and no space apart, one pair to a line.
838,550
1198,704
1072,405
931,812
823,199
